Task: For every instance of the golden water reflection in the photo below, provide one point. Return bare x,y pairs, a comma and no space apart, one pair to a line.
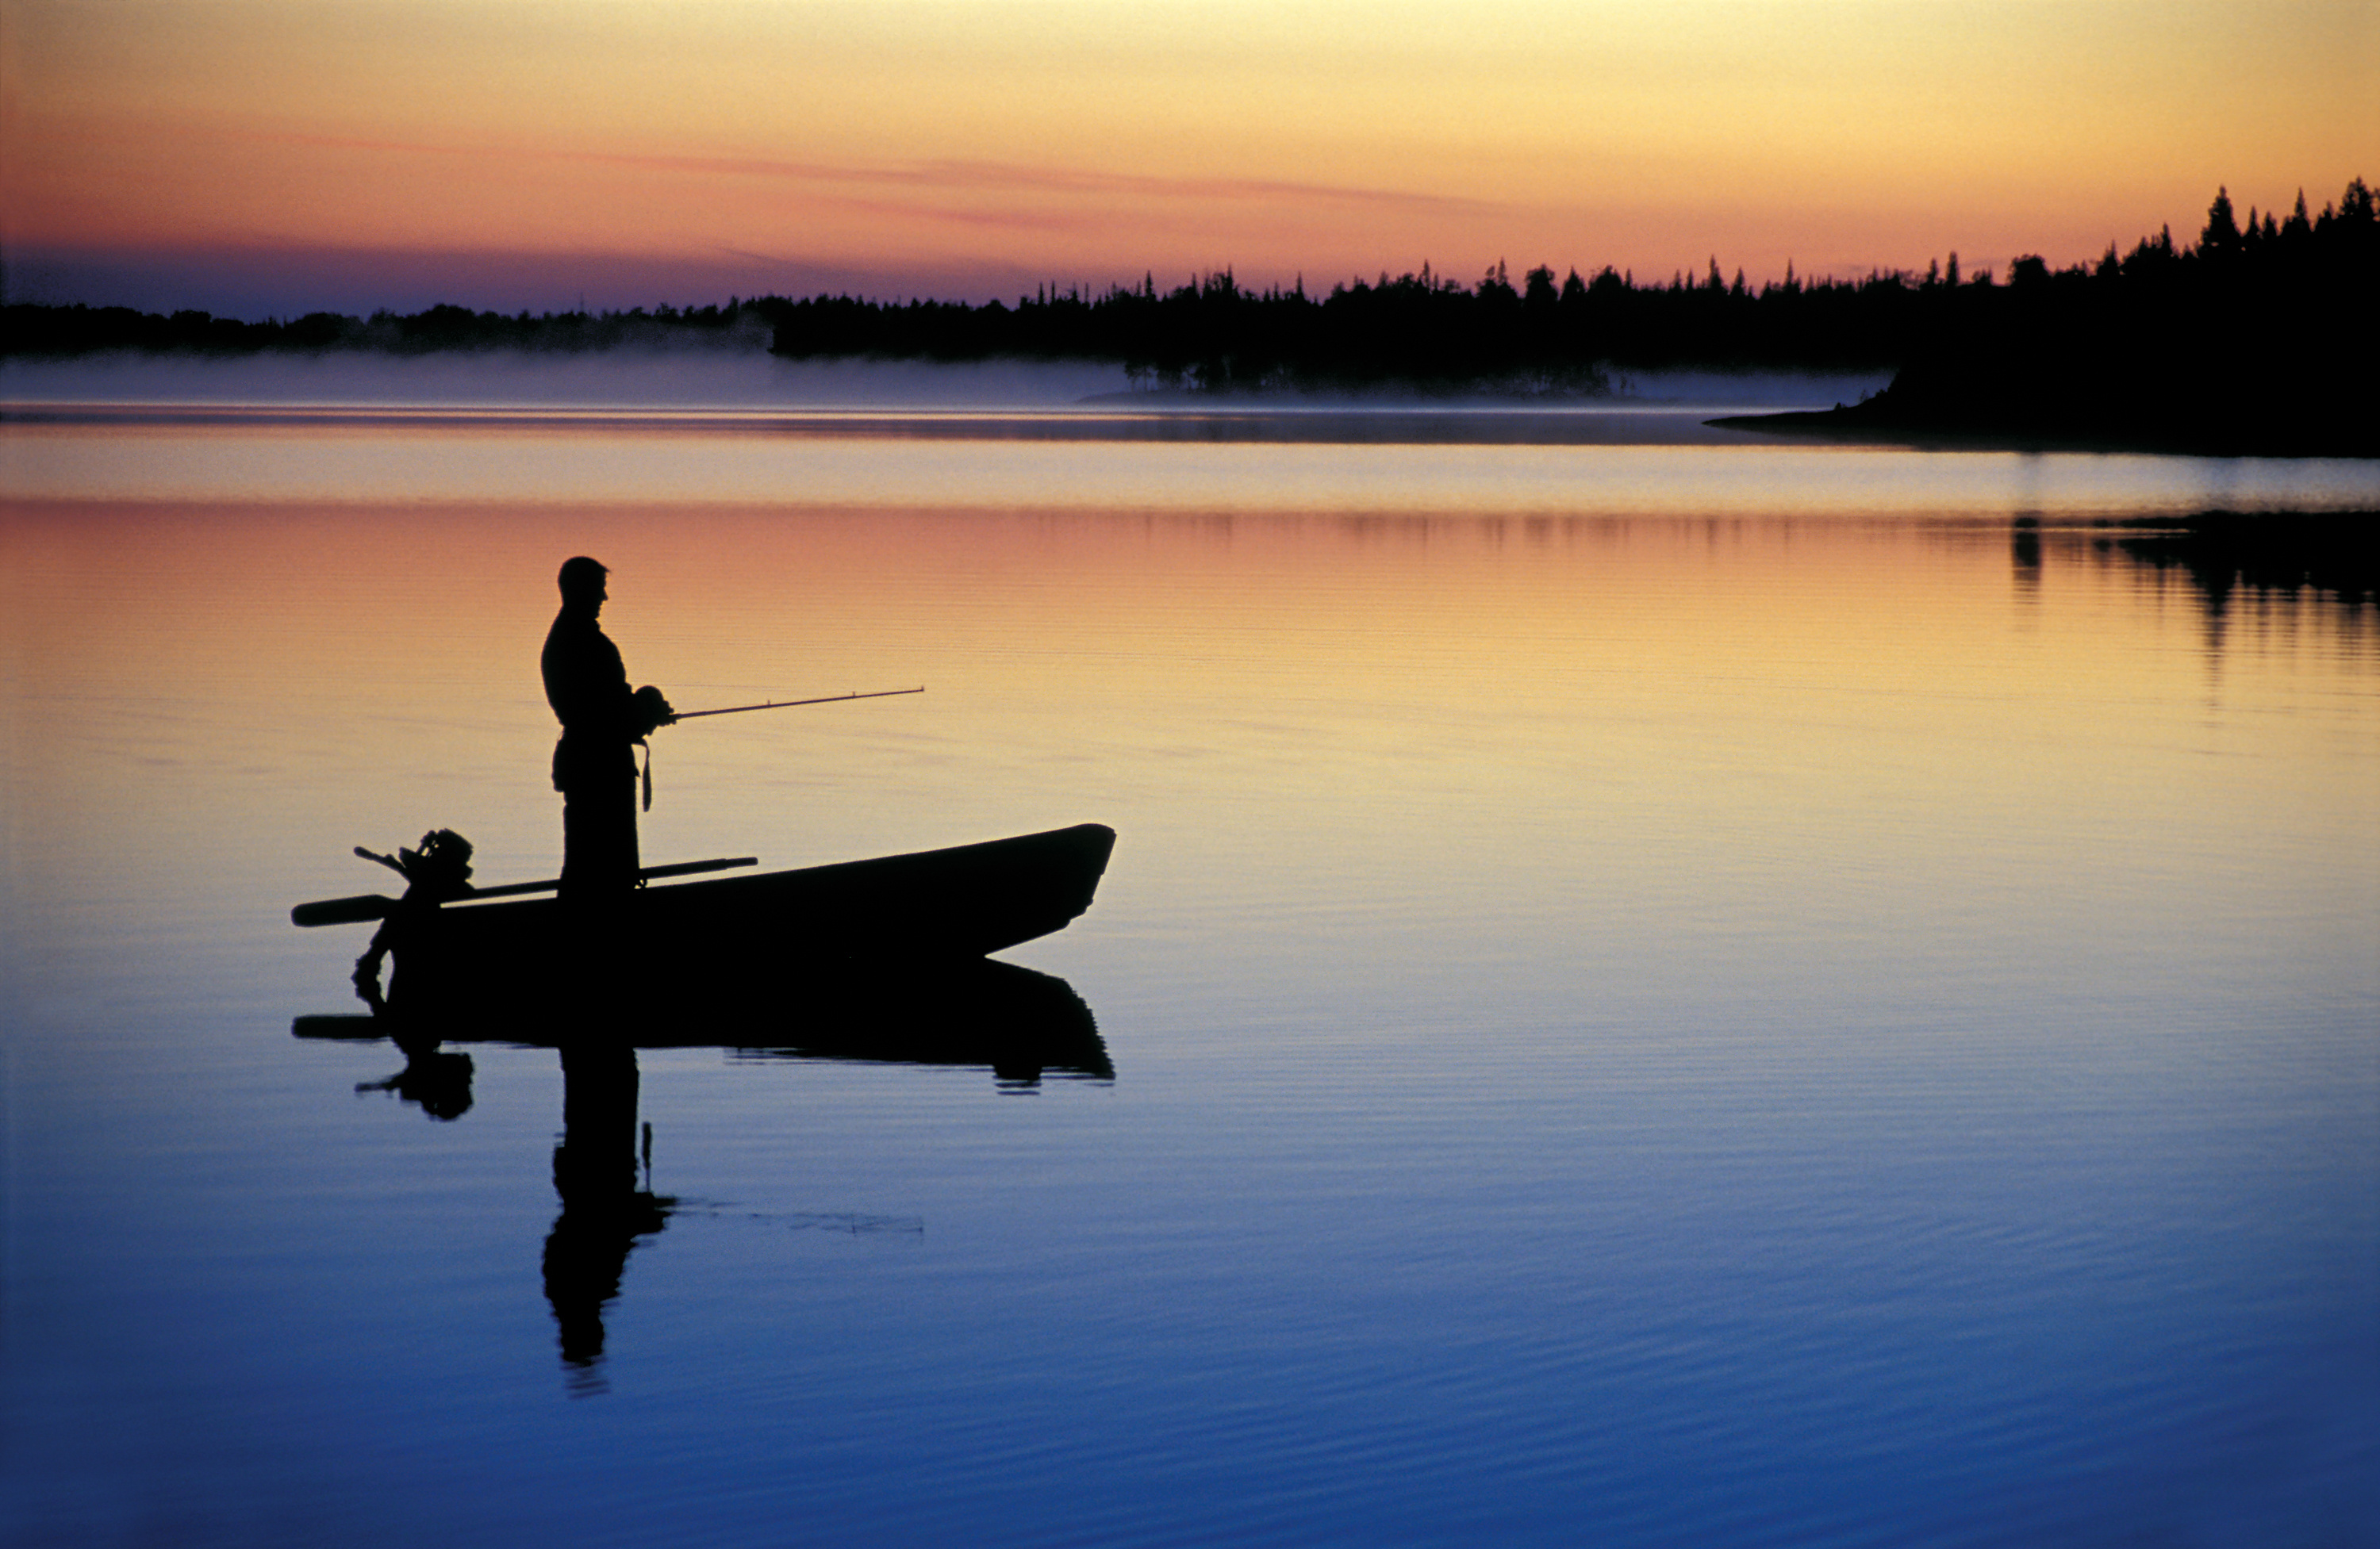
1432,715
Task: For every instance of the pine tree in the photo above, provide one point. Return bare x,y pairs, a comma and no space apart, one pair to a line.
2220,240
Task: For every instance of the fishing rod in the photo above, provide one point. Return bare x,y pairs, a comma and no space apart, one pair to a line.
789,704
646,777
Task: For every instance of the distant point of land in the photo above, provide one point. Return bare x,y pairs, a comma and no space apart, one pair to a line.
2256,339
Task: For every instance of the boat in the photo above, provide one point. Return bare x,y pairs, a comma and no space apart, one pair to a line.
1017,1024
729,940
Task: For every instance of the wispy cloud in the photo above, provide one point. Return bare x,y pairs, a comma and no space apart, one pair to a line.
954,176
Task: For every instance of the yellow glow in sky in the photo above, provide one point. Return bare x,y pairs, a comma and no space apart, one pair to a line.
959,147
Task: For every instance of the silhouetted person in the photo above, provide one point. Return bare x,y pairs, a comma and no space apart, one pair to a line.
601,721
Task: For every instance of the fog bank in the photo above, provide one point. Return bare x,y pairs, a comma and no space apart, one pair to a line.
691,379
612,380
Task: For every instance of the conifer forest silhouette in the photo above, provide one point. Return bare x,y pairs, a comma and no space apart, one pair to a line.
2244,341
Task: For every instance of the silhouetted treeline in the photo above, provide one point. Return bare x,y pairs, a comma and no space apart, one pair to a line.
2258,338
32,329
2259,297
2223,344
1540,335
1544,336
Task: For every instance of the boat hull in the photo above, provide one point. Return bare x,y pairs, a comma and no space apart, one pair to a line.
1018,1024
746,934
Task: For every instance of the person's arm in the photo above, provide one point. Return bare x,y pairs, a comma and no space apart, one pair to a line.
587,687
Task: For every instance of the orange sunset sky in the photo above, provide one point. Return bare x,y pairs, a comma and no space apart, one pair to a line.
274,156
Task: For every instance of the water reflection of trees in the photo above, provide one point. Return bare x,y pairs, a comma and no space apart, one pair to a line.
2286,565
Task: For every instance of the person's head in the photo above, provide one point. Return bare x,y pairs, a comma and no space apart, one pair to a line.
582,584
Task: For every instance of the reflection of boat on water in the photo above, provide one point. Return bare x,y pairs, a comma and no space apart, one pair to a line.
752,934
1020,1024
880,959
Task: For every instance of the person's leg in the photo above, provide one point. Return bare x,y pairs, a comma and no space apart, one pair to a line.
598,839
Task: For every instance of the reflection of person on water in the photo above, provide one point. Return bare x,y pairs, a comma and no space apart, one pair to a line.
601,720
603,1211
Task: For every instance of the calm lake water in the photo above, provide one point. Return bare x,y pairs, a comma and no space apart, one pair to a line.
1661,989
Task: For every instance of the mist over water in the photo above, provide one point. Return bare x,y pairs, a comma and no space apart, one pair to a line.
739,378
1746,390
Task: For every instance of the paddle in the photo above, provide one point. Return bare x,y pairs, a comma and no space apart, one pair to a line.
374,906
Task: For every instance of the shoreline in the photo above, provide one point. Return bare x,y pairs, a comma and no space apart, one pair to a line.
1851,425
